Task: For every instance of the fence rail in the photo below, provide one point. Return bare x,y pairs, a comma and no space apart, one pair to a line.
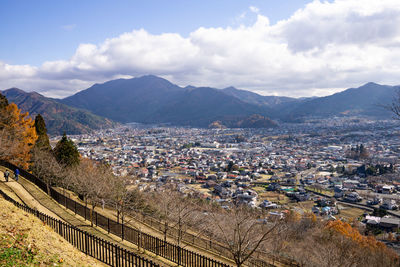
91,245
169,251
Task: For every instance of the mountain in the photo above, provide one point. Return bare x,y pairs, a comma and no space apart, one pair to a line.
59,118
203,105
127,100
253,98
367,100
150,99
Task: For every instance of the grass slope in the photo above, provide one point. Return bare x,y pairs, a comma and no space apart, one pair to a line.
26,241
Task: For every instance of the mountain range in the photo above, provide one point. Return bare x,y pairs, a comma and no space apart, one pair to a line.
59,117
151,99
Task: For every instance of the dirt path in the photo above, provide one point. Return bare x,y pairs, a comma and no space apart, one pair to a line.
6,189
32,196
17,190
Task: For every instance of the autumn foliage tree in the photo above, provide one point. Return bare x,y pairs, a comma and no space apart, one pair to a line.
17,134
363,248
335,243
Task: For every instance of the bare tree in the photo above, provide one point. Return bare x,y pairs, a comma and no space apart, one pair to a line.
46,167
8,145
126,201
241,230
94,182
180,214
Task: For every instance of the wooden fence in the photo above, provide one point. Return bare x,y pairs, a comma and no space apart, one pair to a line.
169,251
91,245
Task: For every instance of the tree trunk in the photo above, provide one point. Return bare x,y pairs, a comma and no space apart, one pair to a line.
91,214
165,230
179,232
48,188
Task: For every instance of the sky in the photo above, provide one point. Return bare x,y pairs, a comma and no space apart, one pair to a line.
292,48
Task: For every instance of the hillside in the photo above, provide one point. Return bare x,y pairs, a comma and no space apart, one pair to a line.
151,99
26,241
366,100
126,100
59,118
253,98
203,105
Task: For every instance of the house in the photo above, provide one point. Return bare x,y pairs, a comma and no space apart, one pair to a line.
389,204
391,224
387,189
301,196
372,220
338,192
273,187
352,197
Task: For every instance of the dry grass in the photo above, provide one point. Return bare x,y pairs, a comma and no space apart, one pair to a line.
274,197
349,213
18,228
258,189
306,206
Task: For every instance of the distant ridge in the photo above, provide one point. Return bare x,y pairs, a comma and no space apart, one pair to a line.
59,118
366,100
151,99
253,98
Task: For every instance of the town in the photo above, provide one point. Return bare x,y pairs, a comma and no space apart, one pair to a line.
343,168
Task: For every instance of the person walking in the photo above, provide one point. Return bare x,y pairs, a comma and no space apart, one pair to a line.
6,175
16,174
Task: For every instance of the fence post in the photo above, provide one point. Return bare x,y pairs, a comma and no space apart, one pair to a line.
59,227
179,255
117,256
86,244
122,230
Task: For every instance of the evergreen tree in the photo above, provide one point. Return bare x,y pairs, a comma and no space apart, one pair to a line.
3,101
43,139
66,152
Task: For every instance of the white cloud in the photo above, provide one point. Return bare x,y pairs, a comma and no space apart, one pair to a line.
322,48
254,9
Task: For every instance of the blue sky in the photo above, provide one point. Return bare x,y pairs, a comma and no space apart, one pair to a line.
293,47
38,31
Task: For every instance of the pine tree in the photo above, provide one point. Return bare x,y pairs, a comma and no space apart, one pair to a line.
3,101
41,130
66,152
